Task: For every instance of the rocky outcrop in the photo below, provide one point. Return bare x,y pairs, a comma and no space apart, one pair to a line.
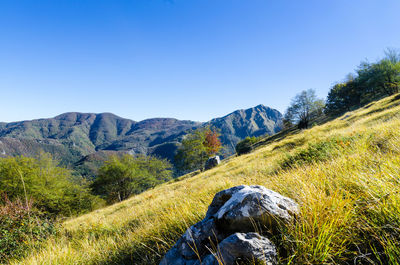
212,162
245,248
227,233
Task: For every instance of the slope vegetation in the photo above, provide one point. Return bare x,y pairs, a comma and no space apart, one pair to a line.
344,174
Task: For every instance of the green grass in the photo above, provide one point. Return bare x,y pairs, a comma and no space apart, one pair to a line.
345,175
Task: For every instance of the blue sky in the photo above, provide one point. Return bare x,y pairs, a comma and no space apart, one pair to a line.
188,59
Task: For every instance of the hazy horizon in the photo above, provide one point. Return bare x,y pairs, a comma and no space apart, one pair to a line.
189,60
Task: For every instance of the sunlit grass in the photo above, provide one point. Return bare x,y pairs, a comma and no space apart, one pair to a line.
350,200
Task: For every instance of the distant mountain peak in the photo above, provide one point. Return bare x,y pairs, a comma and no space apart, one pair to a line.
79,115
255,121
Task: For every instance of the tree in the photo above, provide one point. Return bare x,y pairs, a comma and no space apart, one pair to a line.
304,107
379,80
122,176
53,189
372,81
212,143
343,97
196,148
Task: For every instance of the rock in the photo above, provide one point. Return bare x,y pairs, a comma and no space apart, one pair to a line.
238,209
212,162
250,247
199,237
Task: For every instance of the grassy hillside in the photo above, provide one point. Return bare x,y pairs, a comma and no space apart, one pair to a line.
345,175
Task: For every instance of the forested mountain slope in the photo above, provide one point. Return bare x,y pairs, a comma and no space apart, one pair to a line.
72,136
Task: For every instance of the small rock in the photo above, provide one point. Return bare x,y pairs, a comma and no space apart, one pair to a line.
212,162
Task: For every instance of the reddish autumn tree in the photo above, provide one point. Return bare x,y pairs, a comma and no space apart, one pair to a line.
212,143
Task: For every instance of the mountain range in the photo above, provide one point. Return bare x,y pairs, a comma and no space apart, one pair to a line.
75,138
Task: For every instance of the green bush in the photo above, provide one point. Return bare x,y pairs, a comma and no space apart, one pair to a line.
54,189
21,227
245,146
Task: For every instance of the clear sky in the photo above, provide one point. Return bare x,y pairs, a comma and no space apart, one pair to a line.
187,59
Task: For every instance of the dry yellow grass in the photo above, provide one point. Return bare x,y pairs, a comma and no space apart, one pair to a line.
350,200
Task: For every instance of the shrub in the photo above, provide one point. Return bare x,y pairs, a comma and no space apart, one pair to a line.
245,146
54,189
21,226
